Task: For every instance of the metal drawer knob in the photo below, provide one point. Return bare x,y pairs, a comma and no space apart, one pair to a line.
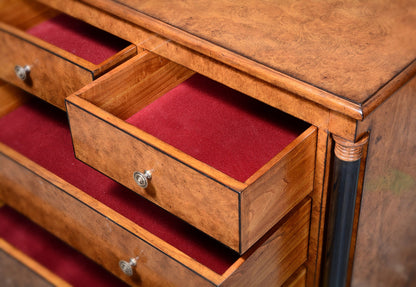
127,267
142,179
22,72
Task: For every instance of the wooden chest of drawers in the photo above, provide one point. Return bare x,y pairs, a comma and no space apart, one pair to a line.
205,148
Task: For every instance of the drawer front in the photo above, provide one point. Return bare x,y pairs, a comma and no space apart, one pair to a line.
237,218
52,77
106,237
207,204
87,225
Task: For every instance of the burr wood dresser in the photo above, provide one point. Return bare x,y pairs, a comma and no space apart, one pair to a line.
207,143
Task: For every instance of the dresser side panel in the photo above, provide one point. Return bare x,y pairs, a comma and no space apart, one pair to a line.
386,239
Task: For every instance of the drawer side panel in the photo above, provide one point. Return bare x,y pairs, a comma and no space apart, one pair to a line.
281,188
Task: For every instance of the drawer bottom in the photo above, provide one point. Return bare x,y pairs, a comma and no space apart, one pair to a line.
50,252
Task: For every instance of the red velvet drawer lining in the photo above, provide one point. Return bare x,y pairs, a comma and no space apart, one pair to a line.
52,253
219,126
79,38
41,133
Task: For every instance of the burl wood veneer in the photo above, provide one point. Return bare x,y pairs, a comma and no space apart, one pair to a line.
345,67
234,212
53,72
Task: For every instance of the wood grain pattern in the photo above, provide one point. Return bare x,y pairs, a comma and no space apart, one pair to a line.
55,73
135,84
183,191
94,229
104,141
278,255
240,80
281,188
90,227
52,78
386,230
10,98
24,14
298,279
321,51
17,269
319,204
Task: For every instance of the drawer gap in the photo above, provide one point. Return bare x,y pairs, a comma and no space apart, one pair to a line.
51,252
40,132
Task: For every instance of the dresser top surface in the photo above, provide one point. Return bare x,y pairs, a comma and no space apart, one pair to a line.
348,48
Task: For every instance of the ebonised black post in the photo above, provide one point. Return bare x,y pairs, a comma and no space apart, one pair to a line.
346,168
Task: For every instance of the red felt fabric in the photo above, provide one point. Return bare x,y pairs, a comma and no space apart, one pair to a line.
219,126
41,133
51,252
78,38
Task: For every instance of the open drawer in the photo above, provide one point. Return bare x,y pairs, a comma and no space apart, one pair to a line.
225,163
52,55
98,217
30,256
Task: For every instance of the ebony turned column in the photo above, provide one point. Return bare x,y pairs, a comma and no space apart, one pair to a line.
346,168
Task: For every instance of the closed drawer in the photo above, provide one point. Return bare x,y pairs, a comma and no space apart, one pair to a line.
263,160
30,256
94,223
51,55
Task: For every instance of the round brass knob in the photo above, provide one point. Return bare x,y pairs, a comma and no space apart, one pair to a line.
22,72
127,267
142,179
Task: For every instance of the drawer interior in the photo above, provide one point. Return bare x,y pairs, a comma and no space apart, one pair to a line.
40,132
79,38
52,253
65,32
219,126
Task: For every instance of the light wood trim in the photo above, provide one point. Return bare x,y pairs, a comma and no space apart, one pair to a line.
342,125
11,97
160,145
281,155
319,203
281,188
40,207
24,14
134,84
101,19
387,90
32,264
47,46
298,279
232,59
275,257
186,192
349,151
114,60
67,77
95,69
311,112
